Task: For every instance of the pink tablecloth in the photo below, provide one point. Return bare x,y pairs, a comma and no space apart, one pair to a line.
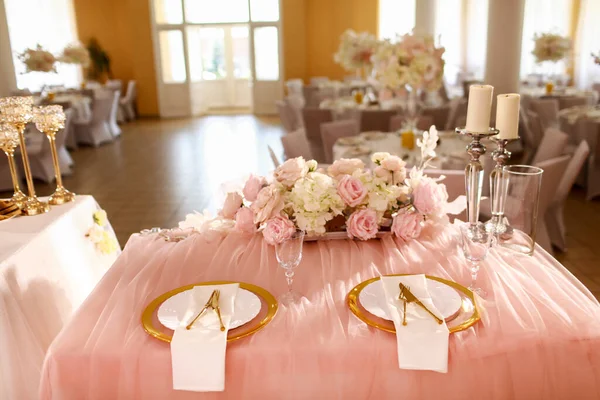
539,337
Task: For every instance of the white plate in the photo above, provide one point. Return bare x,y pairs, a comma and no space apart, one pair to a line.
446,299
247,306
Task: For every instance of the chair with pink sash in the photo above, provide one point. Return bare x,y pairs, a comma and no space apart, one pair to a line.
552,145
547,111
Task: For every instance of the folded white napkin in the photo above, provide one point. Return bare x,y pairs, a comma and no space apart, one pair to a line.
198,354
422,343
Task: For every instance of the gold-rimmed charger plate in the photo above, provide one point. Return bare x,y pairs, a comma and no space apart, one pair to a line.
467,316
266,314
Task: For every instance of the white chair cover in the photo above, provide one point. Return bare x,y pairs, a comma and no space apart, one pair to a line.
553,145
296,145
318,80
115,129
458,109
332,131
547,111
294,87
97,130
554,170
127,103
296,104
310,98
555,215
286,115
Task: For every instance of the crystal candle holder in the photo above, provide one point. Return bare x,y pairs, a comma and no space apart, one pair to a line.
498,188
18,112
474,171
49,120
9,140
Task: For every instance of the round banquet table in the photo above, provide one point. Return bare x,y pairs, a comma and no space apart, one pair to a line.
451,153
539,337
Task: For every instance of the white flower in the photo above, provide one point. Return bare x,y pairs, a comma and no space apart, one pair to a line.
108,244
314,201
427,146
378,157
100,217
205,223
355,50
95,233
312,165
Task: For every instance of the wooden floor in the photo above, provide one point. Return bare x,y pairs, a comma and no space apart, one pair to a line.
160,170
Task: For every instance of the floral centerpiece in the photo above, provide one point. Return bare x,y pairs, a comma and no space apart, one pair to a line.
38,60
413,63
550,47
355,51
347,197
75,54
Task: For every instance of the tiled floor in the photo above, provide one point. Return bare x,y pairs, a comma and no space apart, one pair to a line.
160,170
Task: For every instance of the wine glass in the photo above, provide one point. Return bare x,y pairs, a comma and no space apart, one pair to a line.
289,254
475,243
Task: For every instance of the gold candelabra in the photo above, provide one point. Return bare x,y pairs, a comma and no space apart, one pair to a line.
9,140
18,111
49,120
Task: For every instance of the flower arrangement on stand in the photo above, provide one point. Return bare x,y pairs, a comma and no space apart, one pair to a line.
355,51
38,60
347,197
410,63
550,48
596,58
75,54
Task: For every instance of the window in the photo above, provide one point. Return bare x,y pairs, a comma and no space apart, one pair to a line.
264,10
25,29
216,11
542,16
396,17
171,56
449,35
266,53
241,52
168,11
588,41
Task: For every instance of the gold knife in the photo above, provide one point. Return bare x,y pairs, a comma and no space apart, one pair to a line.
411,298
215,306
402,297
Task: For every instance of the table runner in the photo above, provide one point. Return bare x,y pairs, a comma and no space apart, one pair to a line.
47,268
539,337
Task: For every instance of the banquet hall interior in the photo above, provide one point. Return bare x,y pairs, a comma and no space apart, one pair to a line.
168,106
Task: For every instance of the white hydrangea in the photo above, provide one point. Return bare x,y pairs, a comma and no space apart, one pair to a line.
314,201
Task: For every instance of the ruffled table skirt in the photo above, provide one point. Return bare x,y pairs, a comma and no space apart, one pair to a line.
539,337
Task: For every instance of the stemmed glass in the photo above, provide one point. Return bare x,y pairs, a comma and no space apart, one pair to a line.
475,243
289,254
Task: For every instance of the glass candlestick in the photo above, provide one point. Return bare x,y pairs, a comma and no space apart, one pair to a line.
9,140
17,111
498,187
49,120
474,171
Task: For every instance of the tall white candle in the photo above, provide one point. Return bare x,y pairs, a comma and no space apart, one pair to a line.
507,115
479,108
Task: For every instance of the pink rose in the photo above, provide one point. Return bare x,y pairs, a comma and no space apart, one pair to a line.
362,224
253,186
278,229
407,225
345,166
232,204
429,196
290,171
269,202
244,220
351,190
393,163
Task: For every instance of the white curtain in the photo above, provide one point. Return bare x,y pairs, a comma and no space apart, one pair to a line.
543,16
51,23
449,33
476,22
396,17
588,41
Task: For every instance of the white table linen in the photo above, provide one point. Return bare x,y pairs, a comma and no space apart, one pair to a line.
450,152
422,342
198,354
47,268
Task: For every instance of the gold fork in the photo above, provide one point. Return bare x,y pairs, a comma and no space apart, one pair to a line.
206,307
411,298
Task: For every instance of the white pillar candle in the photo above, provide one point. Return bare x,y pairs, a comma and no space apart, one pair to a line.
479,108
507,115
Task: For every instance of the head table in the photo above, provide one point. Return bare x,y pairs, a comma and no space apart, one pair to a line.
47,268
539,337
